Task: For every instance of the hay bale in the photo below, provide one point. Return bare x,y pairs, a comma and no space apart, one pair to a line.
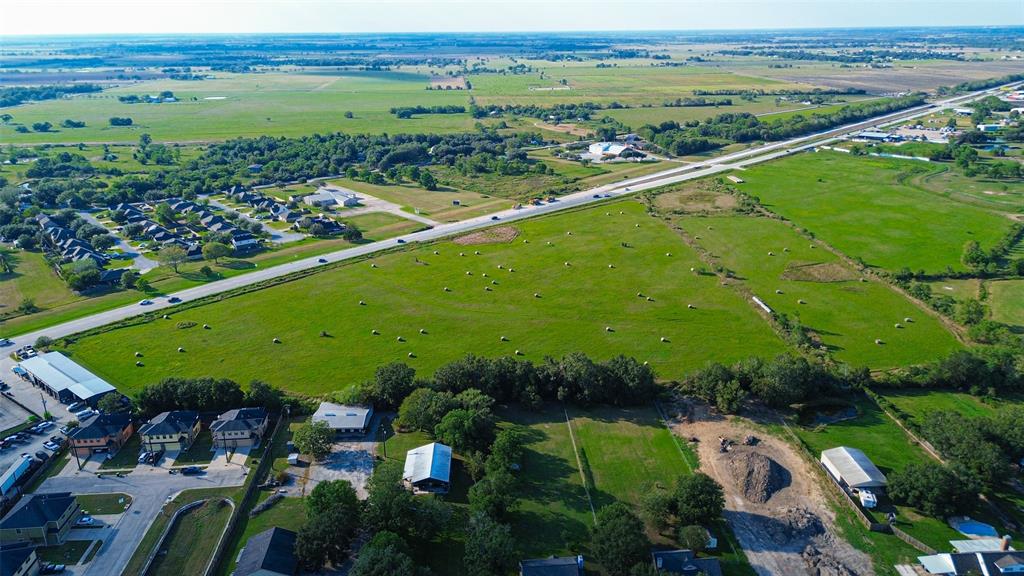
373,265
649,299
400,339
663,339
375,332
668,253
511,269
494,282
206,326
462,253
568,233
710,228
908,319
484,274
608,329
879,341
549,242
777,291
436,253
567,264
636,225
770,253
180,349
477,252
519,353
423,331
166,317
487,288
898,325
277,340
138,354
691,306
621,212
801,301
692,269
447,289
139,364
526,241
501,267
639,295
504,339
785,249
812,246
362,303
611,266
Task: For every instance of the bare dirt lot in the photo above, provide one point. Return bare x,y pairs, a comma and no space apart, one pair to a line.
573,129
703,196
499,235
352,461
774,504
819,272
448,82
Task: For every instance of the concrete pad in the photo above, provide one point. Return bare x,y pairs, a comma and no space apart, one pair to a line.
352,461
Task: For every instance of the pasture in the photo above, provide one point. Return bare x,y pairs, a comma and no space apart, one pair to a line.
917,404
861,206
1006,300
548,292
822,293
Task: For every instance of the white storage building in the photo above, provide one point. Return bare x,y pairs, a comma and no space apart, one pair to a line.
852,468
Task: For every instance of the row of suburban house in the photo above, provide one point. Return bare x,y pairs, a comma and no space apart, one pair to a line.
63,242
240,239
278,210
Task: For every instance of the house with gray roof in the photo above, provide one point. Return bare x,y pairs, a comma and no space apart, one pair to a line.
269,553
239,428
175,430
19,560
990,563
40,519
685,563
101,433
344,419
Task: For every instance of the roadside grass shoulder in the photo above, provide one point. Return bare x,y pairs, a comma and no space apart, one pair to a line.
192,540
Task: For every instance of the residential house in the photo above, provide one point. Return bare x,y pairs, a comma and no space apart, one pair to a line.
344,419
553,566
42,519
239,428
101,433
175,430
242,241
19,560
428,468
991,563
269,553
685,563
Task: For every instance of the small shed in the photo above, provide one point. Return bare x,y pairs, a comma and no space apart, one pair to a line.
852,468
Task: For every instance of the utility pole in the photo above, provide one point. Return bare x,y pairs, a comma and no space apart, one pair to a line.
384,438
43,398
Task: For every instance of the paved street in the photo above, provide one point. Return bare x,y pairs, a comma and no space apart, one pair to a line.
150,488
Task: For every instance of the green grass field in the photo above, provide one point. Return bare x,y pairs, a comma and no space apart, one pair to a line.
860,206
32,279
404,294
289,513
890,449
436,204
192,540
1006,299
113,503
916,404
848,315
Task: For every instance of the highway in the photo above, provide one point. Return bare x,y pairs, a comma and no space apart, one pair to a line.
715,165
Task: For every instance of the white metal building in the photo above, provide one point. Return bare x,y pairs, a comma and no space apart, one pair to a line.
428,468
64,379
344,419
852,468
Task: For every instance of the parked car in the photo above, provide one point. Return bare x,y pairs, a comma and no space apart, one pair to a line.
85,521
154,457
52,569
4,385
84,414
144,456
77,407
191,470
56,440
42,455
45,425
51,446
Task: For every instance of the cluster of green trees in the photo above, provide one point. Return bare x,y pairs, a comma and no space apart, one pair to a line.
697,102
846,57
975,85
207,395
783,92
695,136
574,378
120,121
977,371
136,99
779,382
935,489
555,113
332,516
410,111
982,447
14,95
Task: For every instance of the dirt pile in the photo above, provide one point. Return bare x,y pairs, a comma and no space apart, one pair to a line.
793,524
821,561
756,475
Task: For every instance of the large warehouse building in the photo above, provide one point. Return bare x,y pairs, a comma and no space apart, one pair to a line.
63,379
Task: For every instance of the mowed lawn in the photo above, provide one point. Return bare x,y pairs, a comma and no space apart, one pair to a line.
917,404
1006,300
31,279
192,540
539,303
859,205
847,314
882,440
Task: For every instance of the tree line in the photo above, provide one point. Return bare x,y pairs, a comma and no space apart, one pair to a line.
14,95
409,111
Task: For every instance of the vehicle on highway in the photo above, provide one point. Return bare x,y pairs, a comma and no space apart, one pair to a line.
191,470
494,218
400,241
597,195
322,260
85,521
145,302
174,299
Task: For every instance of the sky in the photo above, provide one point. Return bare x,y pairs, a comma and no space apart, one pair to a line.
24,17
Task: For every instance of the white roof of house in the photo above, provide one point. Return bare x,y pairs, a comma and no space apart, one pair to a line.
612,148
60,373
319,197
433,461
854,467
340,417
978,545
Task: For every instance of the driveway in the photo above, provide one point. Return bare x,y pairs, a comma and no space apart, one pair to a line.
352,461
276,236
139,262
150,488
373,204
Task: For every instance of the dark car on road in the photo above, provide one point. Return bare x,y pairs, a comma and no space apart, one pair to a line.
191,470
174,299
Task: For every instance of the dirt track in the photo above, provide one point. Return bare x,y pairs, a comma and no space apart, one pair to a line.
792,532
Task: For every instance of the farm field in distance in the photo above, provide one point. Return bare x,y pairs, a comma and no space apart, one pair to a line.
470,317
859,206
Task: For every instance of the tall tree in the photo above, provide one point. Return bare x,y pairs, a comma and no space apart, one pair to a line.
490,549
618,540
173,256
